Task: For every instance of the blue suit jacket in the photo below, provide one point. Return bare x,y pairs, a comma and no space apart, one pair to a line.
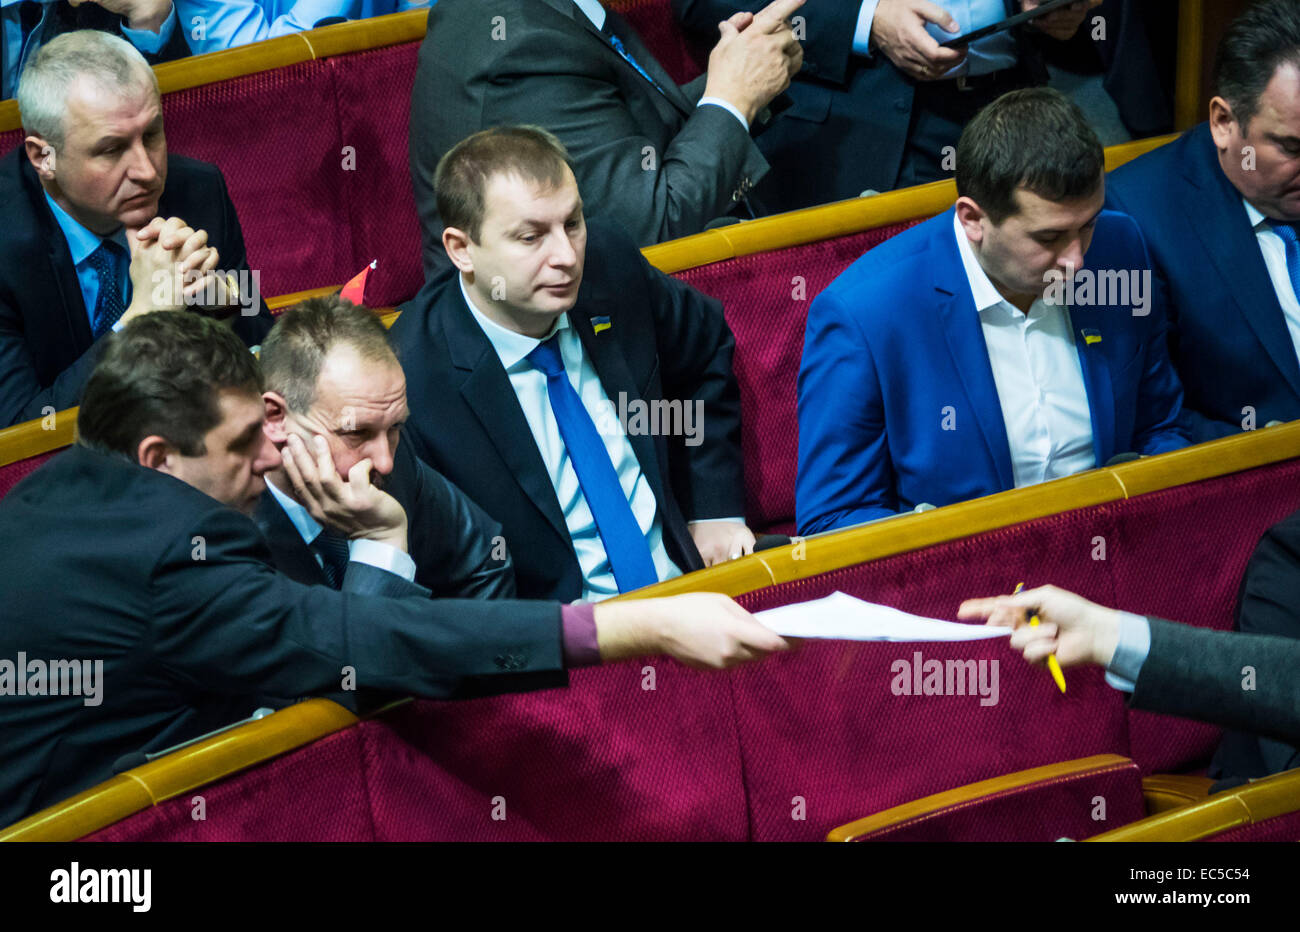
897,403
1227,334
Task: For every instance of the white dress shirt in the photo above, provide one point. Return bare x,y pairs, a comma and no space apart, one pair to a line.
371,552
529,384
1274,250
1038,376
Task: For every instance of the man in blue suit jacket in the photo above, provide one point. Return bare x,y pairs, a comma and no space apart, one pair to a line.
1217,209
960,359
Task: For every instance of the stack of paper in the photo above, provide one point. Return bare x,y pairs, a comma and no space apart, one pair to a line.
842,616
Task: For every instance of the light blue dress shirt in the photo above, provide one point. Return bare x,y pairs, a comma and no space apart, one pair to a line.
596,13
151,43
81,243
213,25
529,384
1130,653
371,552
986,56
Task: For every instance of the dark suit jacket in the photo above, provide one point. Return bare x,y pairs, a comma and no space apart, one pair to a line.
665,341
875,384
846,130
1269,603
1197,673
653,162
46,348
175,594
67,18
450,538
1228,337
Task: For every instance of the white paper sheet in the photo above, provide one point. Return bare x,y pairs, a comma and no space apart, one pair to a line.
843,616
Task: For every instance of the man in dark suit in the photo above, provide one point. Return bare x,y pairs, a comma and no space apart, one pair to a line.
1268,603
1218,209
150,25
595,476
1006,342
879,104
1169,668
333,379
84,245
142,609
660,160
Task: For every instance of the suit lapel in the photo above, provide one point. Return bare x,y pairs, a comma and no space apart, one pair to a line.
291,554
1096,380
970,355
62,272
615,378
1220,221
487,391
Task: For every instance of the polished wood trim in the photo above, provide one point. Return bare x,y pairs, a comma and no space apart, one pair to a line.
1245,805
972,793
1166,791
162,779
1187,76
812,556
289,300
31,438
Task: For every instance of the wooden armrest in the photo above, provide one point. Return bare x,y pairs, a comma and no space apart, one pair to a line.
1166,791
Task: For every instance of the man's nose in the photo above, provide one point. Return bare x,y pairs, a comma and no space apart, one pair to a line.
380,452
562,253
141,167
1071,260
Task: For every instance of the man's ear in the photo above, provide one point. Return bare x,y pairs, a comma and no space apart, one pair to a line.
41,154
456,242
154,452
1222,123
969,215
277,418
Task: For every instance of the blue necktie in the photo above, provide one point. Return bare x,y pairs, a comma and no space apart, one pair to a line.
625,545
627,56
1287,232
333,551
108,305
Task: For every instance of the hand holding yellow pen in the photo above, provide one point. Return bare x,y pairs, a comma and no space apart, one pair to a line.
1052,663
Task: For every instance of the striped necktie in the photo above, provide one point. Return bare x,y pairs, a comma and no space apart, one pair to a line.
109,305
333,551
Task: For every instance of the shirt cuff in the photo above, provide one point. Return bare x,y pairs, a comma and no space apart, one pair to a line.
719,102
1130,653
151,43
862,31
578,622
382,556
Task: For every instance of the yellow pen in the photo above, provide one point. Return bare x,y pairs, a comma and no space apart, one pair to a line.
1052,663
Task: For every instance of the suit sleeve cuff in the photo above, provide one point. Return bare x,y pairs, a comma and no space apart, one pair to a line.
383,557
578,623
151,43
862,32
1130,653
719,102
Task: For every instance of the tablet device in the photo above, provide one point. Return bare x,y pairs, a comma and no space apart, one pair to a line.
1008,23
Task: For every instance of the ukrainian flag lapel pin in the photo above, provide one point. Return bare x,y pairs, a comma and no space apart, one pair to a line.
600,324
1090,336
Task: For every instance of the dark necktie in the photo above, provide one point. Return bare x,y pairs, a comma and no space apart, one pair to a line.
108,305
1287,233
625,545
333,551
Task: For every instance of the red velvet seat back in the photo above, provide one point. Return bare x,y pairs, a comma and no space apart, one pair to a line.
1073,806
683,59
766,298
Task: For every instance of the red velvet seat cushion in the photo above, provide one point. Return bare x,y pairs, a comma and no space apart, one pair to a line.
14,473
766,299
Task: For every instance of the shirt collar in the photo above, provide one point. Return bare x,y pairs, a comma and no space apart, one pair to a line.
984,292
1252,212
510,347
307,526
81,241
593,11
